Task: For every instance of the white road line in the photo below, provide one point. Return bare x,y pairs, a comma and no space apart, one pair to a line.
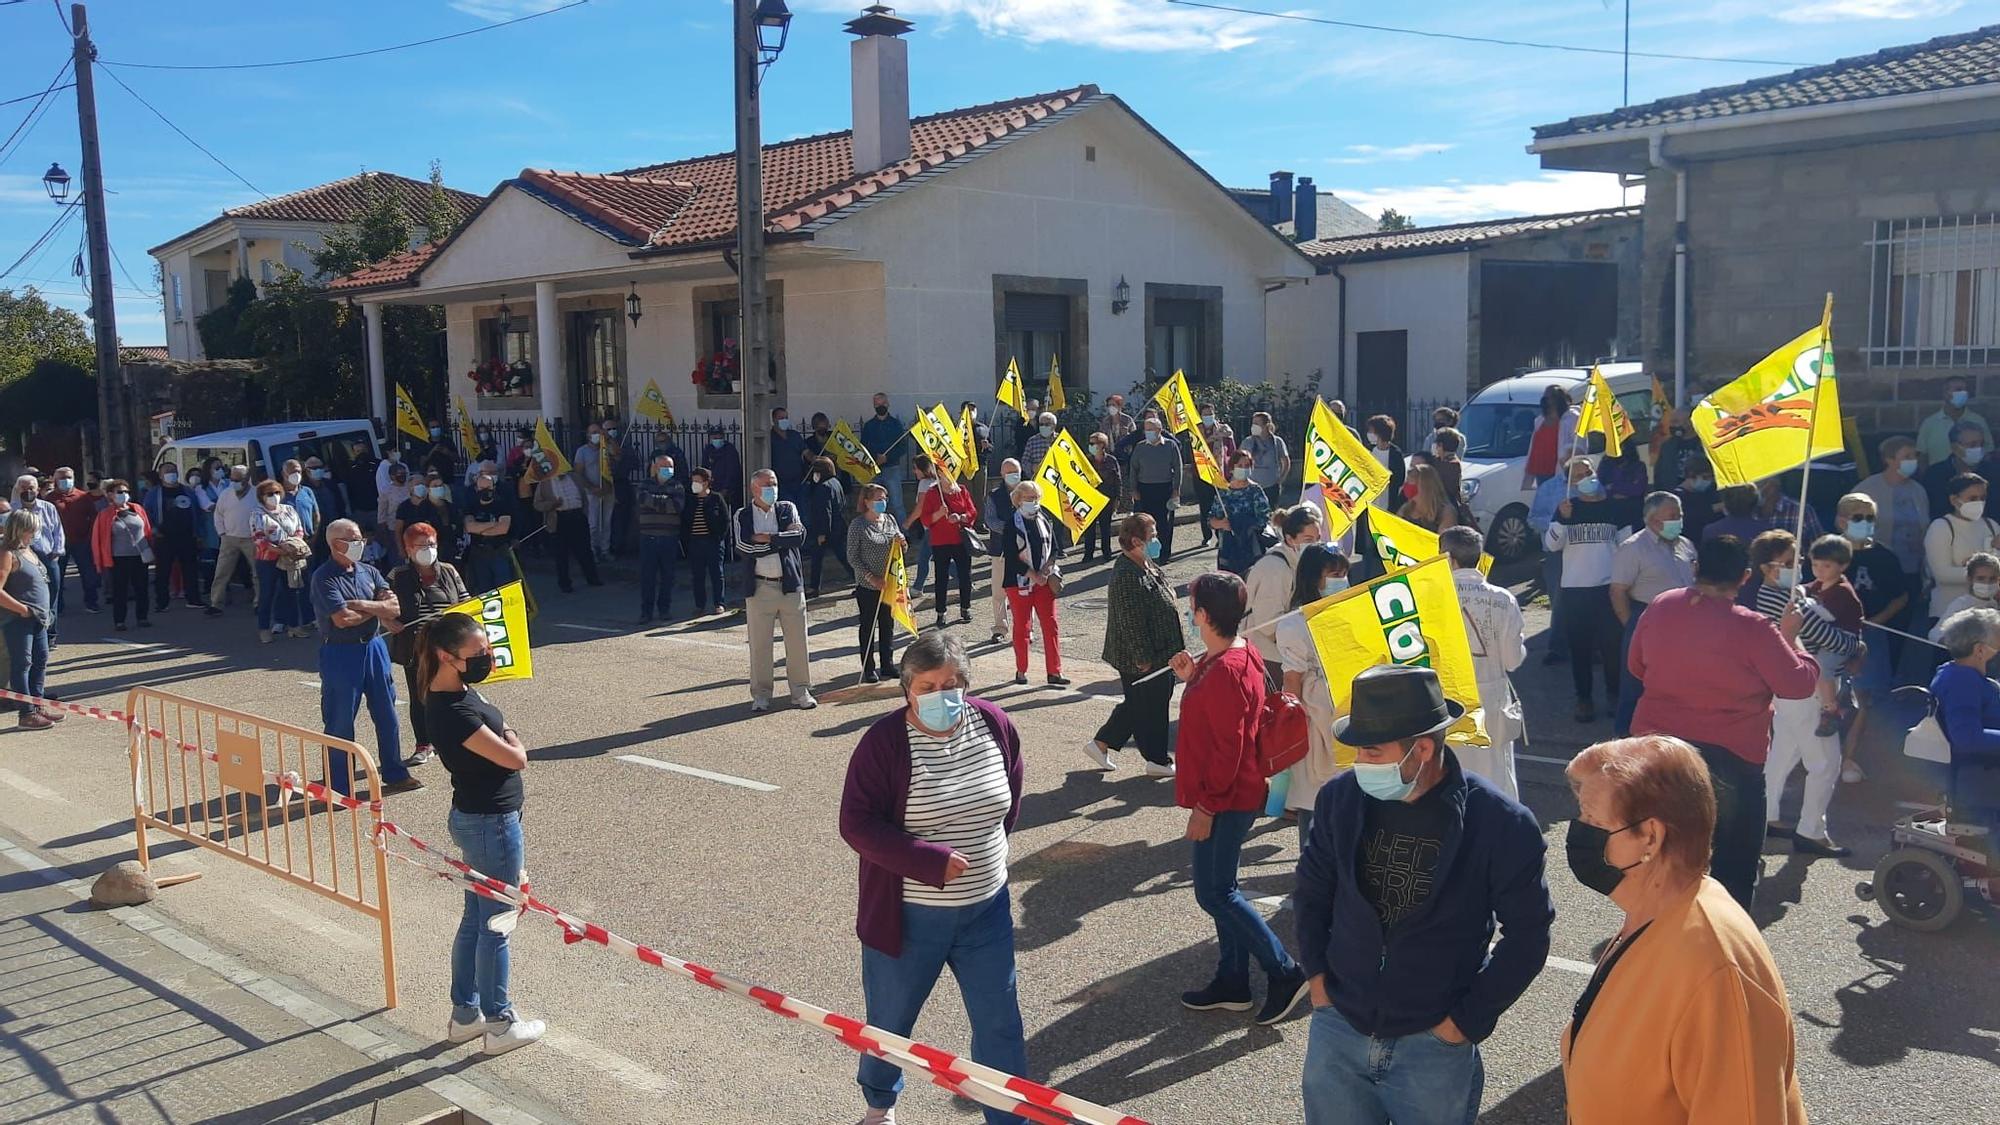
691,771
610,1062
1539,758
38,792
585,628
1581,968
133,644
705,643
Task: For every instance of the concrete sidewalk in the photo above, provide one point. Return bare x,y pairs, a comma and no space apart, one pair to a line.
113,1015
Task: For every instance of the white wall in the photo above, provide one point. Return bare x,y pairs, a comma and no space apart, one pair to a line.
520,237
1427,297
1302,325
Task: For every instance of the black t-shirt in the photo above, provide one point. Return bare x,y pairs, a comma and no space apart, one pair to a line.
478,783
1877,577
1400,842
177,508
488,509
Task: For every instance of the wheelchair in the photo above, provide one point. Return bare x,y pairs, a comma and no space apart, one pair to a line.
1933,862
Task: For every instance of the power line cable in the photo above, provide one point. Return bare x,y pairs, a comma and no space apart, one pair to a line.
43,94
126,272
349,54
41,100
62,16
68,212
184,136
1490,41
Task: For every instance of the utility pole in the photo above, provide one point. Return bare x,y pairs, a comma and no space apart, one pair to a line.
753,344
103,320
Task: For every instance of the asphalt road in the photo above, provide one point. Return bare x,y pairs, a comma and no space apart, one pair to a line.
1892,1026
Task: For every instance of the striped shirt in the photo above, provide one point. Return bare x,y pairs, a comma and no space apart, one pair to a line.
1819,634
959,798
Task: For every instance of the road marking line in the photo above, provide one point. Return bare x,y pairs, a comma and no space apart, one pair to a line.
586,628
616,1065
134,644
691,771
32,789
704,642
1544,760
1581,968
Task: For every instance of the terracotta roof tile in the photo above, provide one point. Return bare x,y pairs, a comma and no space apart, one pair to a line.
1946,63
1429,240
634,208
341,201
397,269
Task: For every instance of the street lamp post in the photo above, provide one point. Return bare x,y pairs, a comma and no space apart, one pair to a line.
761,29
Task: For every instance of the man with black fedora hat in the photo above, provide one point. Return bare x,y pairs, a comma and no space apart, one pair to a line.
1411,865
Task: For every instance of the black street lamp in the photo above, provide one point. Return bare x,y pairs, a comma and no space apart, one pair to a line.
506,314
1121,296
632,308
57,182
774,23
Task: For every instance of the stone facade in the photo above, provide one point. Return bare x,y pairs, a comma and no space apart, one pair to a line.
1771,234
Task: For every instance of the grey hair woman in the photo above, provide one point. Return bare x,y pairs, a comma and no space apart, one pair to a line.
932,791
25,616
1968,708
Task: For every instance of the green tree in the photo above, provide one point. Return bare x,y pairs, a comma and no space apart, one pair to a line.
221,328
382,229
1393,219
439,218
59,391
31,330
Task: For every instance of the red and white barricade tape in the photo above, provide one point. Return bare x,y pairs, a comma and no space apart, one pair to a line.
1010,1093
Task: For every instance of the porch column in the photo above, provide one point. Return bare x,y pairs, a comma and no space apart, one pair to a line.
548,350
378,391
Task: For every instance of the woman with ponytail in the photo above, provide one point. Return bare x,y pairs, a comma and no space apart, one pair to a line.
485,758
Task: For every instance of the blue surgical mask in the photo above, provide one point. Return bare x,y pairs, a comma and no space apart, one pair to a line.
666,473
1028,509
715,442
1860,530
1152,548
1788,577
440,492
1959,398
878,506
1907,466
784,423
1670,530
1012,479
171,478
1153,437
1384,780
941,710
1048,431
1331,585
1239,473
1589,486
768,494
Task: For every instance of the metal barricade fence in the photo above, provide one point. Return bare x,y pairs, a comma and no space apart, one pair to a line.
245,795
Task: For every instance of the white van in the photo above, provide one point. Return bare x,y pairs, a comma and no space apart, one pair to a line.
266,448
1498,423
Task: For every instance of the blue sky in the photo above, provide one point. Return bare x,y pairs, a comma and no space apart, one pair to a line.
1432,127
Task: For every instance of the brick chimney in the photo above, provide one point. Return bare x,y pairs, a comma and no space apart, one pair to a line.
880,60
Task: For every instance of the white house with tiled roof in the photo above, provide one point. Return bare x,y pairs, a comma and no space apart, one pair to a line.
256,239
1875,178
907,255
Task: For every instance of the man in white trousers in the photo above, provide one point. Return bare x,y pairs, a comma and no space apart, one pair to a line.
235,528
769,534
1499,639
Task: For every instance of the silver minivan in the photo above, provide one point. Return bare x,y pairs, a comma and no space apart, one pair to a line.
266,448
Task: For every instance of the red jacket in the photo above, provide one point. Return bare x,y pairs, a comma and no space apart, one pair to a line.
100,532
937,506
78,510
1215,754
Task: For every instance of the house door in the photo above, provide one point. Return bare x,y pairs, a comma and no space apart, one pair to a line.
596,374
1382,373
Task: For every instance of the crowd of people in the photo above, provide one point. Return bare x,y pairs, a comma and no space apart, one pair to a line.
1723,666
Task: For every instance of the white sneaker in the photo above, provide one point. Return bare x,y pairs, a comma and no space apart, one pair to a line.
519,1033
759,706
878,1117
1094,750
1851,773
805,702
456,1032
1155,769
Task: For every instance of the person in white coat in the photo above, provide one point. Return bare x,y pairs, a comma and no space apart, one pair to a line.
1271,579
1499,644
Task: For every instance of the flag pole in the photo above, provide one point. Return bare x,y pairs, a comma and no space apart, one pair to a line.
1805,473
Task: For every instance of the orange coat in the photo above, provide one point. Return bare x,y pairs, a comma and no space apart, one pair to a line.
100,533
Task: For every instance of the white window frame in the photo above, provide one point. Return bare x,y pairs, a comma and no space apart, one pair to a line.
1934,292
178,307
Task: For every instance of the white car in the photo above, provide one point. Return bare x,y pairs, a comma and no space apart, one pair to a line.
266,448
1498,423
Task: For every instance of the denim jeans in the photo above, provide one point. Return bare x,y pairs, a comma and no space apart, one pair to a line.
704,555
1417,1079
1240,930
87,576
491,843
977,942
27,658
348,674
659,557
277,604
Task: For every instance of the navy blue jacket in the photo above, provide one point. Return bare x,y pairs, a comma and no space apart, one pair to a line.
1433,963
785,544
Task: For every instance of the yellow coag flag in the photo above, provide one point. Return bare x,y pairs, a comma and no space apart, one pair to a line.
968,437
1776,416
1067,491
504,613
1401,544
1409,617
1348,475
1602,414
1011,393
408,420
546,442
949,429
1663,414
1057,399
896,587
1077,459
940,442
652,404
1205,463
1177,404
849,454
468,436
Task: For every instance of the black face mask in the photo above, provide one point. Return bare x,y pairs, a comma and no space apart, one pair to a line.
881,412
1585,845
477,668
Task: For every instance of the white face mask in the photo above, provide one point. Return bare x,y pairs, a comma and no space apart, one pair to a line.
292,479
1972,509
424,556
352,550
697,487
1984,590
270,503
1257,429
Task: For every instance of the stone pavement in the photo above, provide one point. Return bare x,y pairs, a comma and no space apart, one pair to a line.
113,1015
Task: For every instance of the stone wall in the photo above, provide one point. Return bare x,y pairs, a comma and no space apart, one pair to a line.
1771,235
